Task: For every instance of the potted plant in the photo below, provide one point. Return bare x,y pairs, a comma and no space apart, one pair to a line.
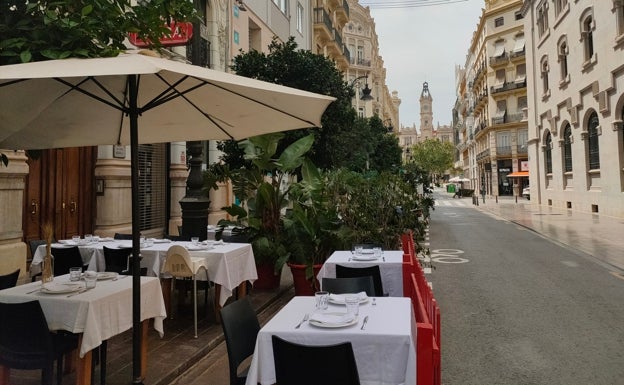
311,226
263,191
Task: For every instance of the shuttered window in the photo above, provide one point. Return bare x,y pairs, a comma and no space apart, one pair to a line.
153,186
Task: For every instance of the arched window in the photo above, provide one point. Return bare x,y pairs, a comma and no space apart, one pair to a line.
592,142
563,59
567,148
545,86
548,153
587,34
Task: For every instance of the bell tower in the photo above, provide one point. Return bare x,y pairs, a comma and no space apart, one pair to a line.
426,113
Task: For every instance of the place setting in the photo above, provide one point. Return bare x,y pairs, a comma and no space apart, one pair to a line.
364,254
323,317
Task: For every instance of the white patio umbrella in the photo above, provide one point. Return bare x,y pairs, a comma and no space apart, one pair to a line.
458,179
87,102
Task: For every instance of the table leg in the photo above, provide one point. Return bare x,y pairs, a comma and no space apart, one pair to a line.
217,305
242,289
5,373
83,366
165,284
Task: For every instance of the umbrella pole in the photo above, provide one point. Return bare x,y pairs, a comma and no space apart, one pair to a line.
136,267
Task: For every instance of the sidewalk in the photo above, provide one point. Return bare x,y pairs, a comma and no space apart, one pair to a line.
598,235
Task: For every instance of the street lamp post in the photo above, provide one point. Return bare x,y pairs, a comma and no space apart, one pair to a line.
366,92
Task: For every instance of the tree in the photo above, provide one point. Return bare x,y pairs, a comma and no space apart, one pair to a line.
433,156
36,30
304,70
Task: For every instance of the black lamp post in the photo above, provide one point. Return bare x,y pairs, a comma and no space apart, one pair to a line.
366,92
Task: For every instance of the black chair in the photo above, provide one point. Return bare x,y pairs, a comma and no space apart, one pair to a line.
373,271
120,236
297,364
64,258
349,285
26,342
240,329
178,238
120,260
33,245
9,280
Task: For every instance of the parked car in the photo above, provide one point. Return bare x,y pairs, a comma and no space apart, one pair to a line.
526,192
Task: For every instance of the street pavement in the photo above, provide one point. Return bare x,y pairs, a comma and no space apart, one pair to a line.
598,235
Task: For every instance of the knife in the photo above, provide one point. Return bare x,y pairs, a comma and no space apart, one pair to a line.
364,323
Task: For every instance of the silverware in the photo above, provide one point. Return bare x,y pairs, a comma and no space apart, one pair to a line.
305,318
364,323
80,291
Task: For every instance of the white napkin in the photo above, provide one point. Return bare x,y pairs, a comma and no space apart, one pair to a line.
332,318
54,287
340,298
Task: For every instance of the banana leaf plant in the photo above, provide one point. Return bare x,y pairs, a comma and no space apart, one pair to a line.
263,190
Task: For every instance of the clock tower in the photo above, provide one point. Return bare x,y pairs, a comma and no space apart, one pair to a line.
426,113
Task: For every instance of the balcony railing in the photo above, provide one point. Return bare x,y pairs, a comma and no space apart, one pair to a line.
519,53
508,86
498,60
522,149
322,17
508,118
503,150
483,154
360,62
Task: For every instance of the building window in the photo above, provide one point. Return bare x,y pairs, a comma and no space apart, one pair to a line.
587,37
544,71
560,6
542,18
618,6
548,154
563,59
299,18
567,148
282,5
499,22
236,37
592,142
522,102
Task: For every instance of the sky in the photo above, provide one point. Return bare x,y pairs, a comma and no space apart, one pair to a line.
424,44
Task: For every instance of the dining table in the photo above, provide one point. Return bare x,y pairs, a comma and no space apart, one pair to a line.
390,266
382,336
95,314
229,265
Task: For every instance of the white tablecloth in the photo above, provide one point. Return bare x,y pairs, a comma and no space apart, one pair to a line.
98,314
228,264
390,267
385,350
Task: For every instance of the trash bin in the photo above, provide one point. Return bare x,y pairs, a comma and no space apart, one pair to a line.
450,188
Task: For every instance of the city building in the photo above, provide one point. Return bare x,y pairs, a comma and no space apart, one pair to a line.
575,56
490,122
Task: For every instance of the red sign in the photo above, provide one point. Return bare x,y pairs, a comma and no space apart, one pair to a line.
181,34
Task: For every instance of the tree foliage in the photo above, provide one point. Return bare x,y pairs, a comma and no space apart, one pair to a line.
433,155
37,30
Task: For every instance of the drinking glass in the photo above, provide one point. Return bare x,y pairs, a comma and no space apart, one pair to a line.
322,300
377,251
88,238
74,273
76,239
90,278
358,250
195,240
353,304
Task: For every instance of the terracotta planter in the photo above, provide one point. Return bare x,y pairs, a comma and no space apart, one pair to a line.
302,285
267,279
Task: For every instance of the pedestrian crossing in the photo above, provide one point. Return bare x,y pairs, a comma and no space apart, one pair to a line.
453,203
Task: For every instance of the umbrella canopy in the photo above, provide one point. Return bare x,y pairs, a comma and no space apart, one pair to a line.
87,102
458,179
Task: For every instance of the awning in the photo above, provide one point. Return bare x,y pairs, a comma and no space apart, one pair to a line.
518,174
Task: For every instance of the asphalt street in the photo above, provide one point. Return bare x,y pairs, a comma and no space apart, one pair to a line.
519,308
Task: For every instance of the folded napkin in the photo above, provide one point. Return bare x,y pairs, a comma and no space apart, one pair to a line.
332,318
54,287
340,298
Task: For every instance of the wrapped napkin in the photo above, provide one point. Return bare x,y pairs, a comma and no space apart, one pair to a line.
340,298
332,318
54,287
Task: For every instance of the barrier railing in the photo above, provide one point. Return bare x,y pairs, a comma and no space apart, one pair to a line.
428,318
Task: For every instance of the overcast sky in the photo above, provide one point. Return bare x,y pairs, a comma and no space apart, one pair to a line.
423,44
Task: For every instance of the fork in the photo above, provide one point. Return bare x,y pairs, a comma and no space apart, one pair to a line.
305,318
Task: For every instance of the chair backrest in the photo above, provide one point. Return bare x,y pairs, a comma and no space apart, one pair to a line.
64,258
9,280
178,262
349,285
122,236
25,340
117,259
373,271
297,364
178,238
33,244
240,329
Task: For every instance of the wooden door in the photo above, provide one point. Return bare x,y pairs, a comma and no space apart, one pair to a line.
59,190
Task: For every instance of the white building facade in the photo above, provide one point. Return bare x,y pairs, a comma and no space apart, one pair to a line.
575,74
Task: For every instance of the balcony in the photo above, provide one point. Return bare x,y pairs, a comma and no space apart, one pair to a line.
323,27
360,62
503,117
498,61
503,151
517,55
522,149
509,86
483,155
342,13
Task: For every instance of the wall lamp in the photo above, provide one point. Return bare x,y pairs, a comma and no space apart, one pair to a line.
366,92
241,6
